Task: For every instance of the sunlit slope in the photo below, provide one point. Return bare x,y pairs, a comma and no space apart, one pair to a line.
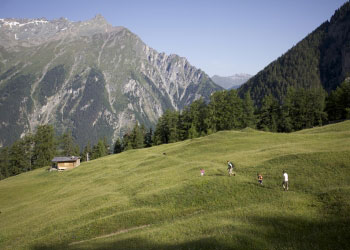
155,198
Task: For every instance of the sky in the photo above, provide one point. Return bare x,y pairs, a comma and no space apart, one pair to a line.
221,37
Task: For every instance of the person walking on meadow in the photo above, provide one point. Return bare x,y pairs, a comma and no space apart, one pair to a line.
202,172
285,181
260,179
230,168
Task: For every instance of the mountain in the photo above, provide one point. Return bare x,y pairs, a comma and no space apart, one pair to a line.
321,59
229,82
90,77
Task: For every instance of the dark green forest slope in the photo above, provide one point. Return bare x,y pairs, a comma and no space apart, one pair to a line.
322,59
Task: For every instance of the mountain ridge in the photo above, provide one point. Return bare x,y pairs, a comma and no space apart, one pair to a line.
320,60
231,82
136,83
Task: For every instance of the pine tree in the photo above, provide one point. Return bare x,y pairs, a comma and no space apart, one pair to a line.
172,118
99,150
219,114
184,123
17,162
86,152
307,108
68,146
198,112
28,148
118,148
106,145
149,138
285,117
268,115
166,129
192,133
4,163
126,144
234,109
44,146
137,137
249,119
338,102
20,155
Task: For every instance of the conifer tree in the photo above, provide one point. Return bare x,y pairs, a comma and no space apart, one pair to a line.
99,150
285,124
162,132
17,161
118,148
106,145
137,137
68,146
338,102
86,152
198,111
127,144
268,115
307,108
149,138
44,146
193,133
249,119
4,163
219,115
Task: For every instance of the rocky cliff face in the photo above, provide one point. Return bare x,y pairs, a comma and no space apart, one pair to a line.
90,77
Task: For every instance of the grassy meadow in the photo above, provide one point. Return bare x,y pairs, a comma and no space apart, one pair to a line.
155,198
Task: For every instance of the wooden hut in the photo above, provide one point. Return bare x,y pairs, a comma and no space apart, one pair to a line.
67,162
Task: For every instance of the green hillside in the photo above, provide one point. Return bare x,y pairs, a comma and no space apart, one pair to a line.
320,60
154,198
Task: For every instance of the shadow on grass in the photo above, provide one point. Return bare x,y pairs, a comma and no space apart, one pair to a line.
218,174
273,233
258,185
140,244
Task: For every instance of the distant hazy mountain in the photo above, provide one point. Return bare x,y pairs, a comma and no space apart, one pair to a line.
90,77
229,82
321,59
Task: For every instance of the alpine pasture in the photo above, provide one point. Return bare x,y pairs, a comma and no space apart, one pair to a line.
155,198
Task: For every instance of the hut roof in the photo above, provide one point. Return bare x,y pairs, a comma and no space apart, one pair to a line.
65,159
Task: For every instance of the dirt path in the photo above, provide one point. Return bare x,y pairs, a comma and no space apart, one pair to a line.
111,234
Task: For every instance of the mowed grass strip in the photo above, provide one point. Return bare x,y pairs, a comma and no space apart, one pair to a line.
154,198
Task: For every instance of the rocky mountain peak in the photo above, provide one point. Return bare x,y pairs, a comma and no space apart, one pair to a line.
88,76
32,32
99,19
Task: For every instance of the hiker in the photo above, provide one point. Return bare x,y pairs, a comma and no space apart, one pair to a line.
202,172
285,181
230,168
260,179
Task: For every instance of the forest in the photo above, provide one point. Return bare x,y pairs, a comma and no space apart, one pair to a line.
226,110
319,60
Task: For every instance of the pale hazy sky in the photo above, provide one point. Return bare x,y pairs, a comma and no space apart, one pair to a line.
219,36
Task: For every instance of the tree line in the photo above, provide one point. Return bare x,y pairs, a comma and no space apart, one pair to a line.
299,109
37,150
315,61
